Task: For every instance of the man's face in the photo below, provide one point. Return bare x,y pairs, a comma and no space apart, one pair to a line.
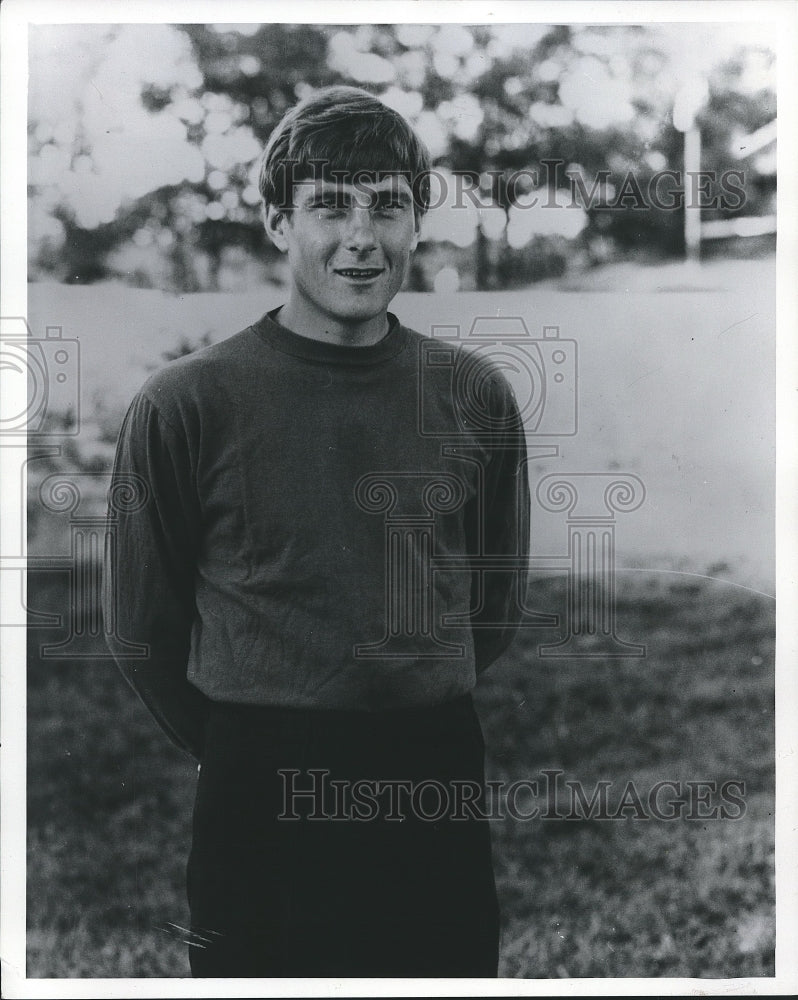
348,247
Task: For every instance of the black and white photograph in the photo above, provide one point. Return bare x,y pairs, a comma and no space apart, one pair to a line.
398,479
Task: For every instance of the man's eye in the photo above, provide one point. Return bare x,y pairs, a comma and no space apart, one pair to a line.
392,206
330,205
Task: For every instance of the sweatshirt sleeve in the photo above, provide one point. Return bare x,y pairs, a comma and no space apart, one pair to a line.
497,594
149,569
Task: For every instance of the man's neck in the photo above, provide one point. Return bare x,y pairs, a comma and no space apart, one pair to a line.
355,334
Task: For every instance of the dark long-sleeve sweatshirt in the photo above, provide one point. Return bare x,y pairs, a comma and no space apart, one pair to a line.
318,526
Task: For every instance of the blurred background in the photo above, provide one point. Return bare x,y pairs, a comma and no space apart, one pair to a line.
144,142
145,243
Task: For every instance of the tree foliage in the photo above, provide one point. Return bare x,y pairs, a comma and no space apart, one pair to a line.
551,102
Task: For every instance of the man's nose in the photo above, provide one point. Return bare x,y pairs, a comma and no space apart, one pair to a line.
360,235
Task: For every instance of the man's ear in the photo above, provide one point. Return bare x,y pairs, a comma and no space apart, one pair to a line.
274,221
416,232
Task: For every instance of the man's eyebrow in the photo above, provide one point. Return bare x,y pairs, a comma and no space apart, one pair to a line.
328,192
394,193
344,194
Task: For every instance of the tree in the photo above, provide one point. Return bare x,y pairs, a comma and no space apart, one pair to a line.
564,105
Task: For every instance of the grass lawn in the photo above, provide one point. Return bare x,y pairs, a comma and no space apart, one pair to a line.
109,801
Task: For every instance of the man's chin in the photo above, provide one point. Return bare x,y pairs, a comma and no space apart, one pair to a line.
361,313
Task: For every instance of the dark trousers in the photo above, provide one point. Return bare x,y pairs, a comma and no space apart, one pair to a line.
302,865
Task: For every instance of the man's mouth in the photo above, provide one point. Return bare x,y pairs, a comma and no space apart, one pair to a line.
359,273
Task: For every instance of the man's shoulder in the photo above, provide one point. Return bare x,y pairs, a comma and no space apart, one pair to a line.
477,365
203,371
414,338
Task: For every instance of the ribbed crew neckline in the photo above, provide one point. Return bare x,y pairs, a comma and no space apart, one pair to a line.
321,351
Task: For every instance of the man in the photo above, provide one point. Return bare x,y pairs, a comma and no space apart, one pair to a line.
305,575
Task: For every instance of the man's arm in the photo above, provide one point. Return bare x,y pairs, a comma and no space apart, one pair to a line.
149,573
506,532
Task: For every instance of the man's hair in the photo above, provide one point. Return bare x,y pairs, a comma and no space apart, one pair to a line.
339,133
